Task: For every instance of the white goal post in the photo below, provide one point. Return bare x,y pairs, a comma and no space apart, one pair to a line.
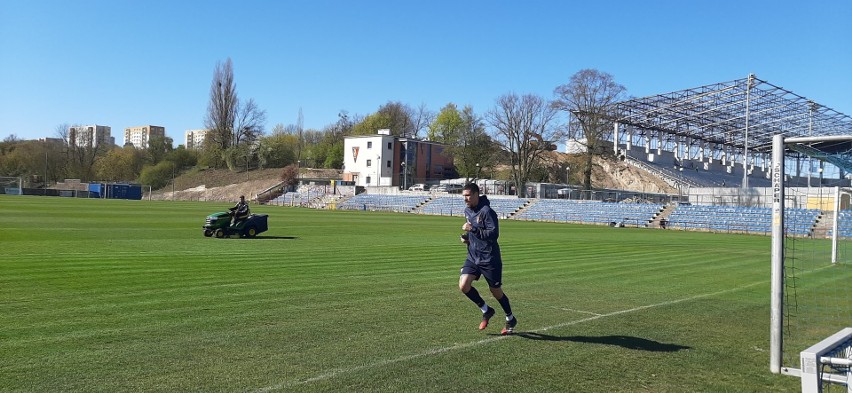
808,281
834,352
11,185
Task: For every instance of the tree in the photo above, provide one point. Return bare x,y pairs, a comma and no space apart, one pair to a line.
524,127
475,150
278,150
588,98
234,126
290,175
420,119
82,150
120,164
447,126
372,123
158,148
158,176
463,133
399,118
182,157
332,142
13,157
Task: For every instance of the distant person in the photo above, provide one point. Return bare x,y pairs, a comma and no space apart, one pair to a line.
483,256
240,211
663,223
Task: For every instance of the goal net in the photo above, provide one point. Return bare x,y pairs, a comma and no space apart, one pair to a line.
11,185
811,271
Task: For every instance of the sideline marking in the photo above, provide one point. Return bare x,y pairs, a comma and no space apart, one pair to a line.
437,351
577,311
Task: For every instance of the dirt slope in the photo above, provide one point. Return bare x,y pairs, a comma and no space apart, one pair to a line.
226,185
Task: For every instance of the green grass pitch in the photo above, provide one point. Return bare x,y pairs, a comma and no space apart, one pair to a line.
110,295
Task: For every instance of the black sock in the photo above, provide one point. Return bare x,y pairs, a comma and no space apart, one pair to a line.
473,295
504,302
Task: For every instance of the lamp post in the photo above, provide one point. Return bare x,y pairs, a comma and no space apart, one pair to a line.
404,177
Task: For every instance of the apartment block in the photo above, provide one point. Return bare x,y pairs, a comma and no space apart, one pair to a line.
195,138
90,136
140,136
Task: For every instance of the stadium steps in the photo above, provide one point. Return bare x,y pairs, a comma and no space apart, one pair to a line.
520,210
823,226
665,213
419,208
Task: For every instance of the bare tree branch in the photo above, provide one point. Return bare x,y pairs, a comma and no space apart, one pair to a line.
524,126
588,98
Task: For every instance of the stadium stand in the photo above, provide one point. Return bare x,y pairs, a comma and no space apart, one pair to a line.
378,202
591,212
302,198
454,206
693,175
757,220
844,224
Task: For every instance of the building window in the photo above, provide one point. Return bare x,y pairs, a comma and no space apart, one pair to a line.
369,163
388,164
368,179
369,145
389,145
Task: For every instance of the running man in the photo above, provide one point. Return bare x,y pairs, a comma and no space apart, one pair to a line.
483,256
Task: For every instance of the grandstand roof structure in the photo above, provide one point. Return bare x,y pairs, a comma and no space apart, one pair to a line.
744,113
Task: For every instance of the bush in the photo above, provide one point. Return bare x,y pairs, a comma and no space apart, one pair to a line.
158,176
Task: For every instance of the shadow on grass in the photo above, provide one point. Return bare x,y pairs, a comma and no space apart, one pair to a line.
628,342
275,237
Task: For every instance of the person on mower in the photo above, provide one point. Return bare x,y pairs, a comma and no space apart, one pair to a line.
240,211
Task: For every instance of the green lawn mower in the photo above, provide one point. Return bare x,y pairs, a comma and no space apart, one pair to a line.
219,225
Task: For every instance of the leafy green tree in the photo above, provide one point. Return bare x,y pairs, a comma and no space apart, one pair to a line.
158,148
36,160
211,154
372,123
13,161
334,156
120,164
158,176
182,157
447,126
278,150
464,135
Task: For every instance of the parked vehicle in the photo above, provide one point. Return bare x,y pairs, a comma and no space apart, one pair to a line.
417,187
449,188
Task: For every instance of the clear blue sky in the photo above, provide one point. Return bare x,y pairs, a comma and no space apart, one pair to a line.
128,63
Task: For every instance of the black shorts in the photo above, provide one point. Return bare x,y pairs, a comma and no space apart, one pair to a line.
493,272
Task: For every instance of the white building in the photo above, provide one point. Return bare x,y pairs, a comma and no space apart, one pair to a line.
391,161
368,159
195,138
139,136
90,136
